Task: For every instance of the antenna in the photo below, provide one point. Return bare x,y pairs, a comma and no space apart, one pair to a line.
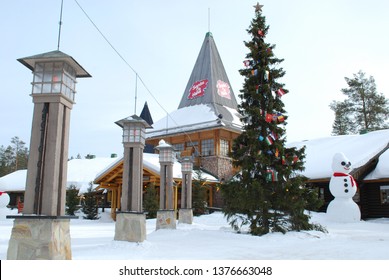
136,91
209,19
60,26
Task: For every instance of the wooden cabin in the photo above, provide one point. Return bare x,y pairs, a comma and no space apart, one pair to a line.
111,179
369,156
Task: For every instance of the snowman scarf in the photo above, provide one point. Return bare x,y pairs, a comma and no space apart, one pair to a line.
340,174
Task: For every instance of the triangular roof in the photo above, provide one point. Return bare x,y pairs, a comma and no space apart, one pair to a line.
208,100
208,83
145,114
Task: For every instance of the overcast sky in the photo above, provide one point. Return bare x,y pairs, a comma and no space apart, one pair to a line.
321,41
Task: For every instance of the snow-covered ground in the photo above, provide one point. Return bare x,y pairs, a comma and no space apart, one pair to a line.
211,238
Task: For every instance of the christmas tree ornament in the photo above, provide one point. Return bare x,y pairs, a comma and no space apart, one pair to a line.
269,118
257,89
280,92
258,8
260,33
280,118
247,63
267,75
269,140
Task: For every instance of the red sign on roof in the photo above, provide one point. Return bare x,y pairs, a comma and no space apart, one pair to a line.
198,89
223,89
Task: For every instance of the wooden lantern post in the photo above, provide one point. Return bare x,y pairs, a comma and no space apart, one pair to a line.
42,231
131,220
185,214
166,216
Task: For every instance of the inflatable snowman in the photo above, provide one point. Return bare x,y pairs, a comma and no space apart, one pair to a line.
4,200
343,187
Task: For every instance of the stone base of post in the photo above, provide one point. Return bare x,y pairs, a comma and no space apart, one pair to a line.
40,238
166,219
130,226
185,216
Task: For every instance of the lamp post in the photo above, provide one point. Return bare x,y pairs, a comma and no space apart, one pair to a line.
42,232
131,220
166,216
185,214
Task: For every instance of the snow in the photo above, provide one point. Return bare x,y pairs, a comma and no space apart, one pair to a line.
211,238
80,173
83,171
382,169
190,118
358,148
197,115
15,181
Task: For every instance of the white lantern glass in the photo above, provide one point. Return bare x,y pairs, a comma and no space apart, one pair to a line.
54,78
186,165
166,154
134,133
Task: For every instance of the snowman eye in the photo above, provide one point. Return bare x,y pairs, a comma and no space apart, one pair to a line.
349,163
343,163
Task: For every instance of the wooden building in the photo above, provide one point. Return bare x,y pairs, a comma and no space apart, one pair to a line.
111,179
207,119
369,155
204,125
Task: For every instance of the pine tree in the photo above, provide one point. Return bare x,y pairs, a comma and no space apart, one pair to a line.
13,157
363,110
343,124
267,195
89,206
150,201
72,200
199,195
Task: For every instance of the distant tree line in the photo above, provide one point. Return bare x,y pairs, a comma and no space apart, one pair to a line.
13,157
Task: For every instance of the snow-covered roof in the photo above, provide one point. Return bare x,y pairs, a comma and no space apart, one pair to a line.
194,118
15,181
151,163
80,173
382,169
358,148
83,171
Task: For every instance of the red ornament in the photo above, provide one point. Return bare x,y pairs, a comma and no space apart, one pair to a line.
280,92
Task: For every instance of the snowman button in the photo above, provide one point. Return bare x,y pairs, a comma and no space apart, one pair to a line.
346,185
346,190
345,180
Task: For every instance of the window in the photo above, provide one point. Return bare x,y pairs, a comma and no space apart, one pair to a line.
207,147
178,147
224,147
192,144
384,190
195,145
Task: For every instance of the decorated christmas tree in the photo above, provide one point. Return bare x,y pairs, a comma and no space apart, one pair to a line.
268,194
